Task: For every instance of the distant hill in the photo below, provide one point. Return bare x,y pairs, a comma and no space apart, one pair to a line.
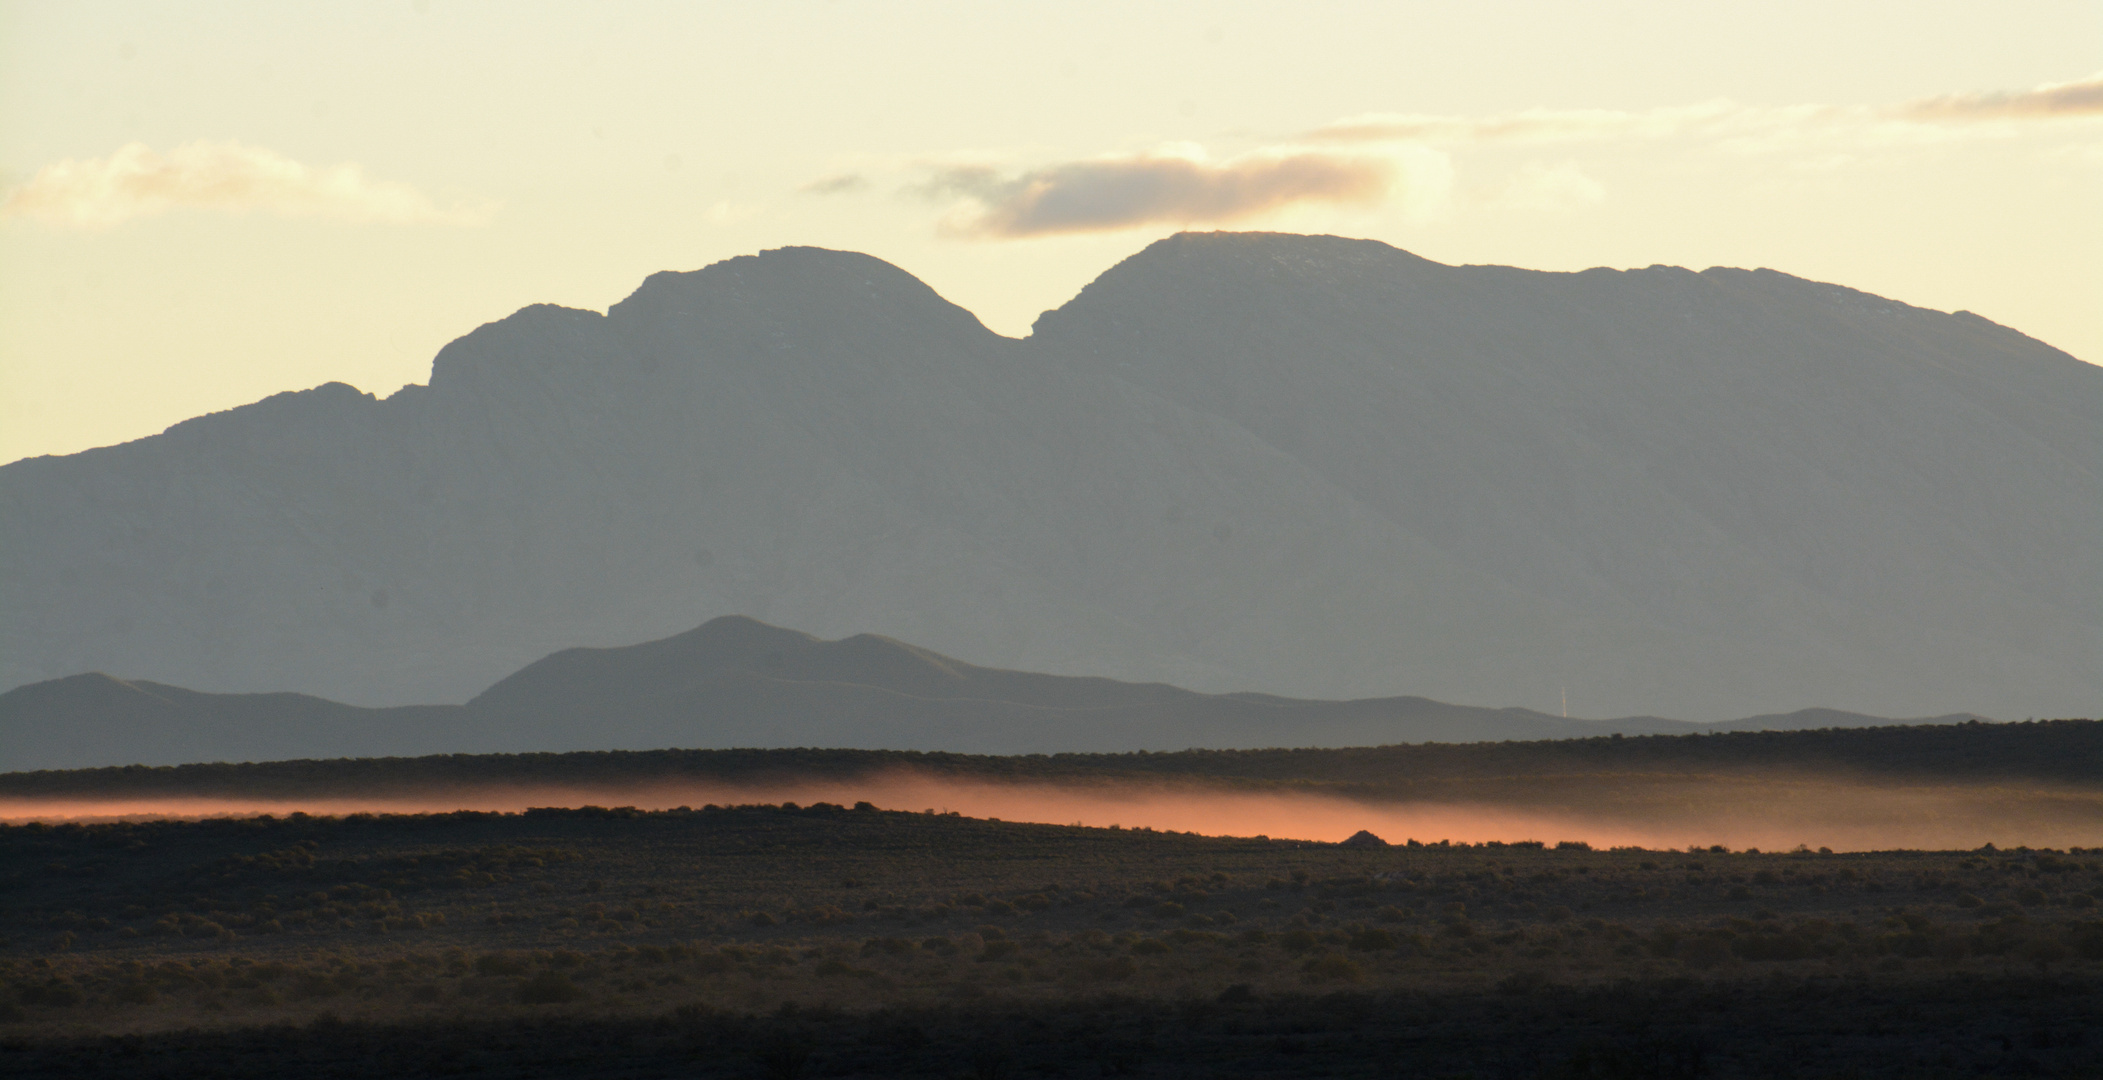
737,682
1304,465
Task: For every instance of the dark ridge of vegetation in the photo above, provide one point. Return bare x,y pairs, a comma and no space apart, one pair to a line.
2069,750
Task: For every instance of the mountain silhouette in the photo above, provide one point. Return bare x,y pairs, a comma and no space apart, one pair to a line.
738,682
1302,465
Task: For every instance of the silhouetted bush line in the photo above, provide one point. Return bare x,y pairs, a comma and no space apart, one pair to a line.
2065,750
1676,1028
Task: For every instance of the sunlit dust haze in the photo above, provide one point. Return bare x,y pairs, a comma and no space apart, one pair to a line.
207,203
1770,813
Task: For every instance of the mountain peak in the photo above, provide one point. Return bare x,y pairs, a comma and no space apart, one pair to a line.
784,289
1218,263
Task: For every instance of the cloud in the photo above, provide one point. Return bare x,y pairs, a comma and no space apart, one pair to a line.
2082,97
1532,125
1180,186
842,184
1544,187
1742,126
138,182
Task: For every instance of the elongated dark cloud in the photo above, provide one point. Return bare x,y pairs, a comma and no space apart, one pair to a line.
1118,193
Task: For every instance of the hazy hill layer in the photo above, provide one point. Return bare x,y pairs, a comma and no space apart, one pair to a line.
1301,465
737,682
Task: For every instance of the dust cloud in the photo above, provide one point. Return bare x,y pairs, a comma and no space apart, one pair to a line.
1738,812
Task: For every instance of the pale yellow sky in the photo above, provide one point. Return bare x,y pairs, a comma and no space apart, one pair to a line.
206,203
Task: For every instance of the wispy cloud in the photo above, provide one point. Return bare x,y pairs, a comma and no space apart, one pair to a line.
137,181
1405,161
1745,126
1532,125
1544,187
1180,186
2082,97
841,184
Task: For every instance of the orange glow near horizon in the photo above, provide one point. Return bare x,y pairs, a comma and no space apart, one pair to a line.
1837,814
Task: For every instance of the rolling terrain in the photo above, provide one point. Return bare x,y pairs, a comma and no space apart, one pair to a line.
784,940
1309,466
737,682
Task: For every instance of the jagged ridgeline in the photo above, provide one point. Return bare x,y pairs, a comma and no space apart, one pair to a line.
1302,465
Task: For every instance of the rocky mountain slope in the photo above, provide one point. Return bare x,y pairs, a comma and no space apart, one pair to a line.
1301,465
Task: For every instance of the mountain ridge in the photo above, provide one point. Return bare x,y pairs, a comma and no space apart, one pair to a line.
736,682
1308,466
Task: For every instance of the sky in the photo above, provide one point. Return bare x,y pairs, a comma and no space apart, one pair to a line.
205,203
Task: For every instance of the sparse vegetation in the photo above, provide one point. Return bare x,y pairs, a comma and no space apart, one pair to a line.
2067,751
824,940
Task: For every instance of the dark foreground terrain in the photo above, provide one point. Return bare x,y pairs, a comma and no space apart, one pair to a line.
782,941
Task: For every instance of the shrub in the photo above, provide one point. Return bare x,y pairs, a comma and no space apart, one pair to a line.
1704,952
2088,941
1149,947
52,994
1116,968
1522,982
499,964
548,988
888,946
1331,967
1372,940
1297,940
2044,952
